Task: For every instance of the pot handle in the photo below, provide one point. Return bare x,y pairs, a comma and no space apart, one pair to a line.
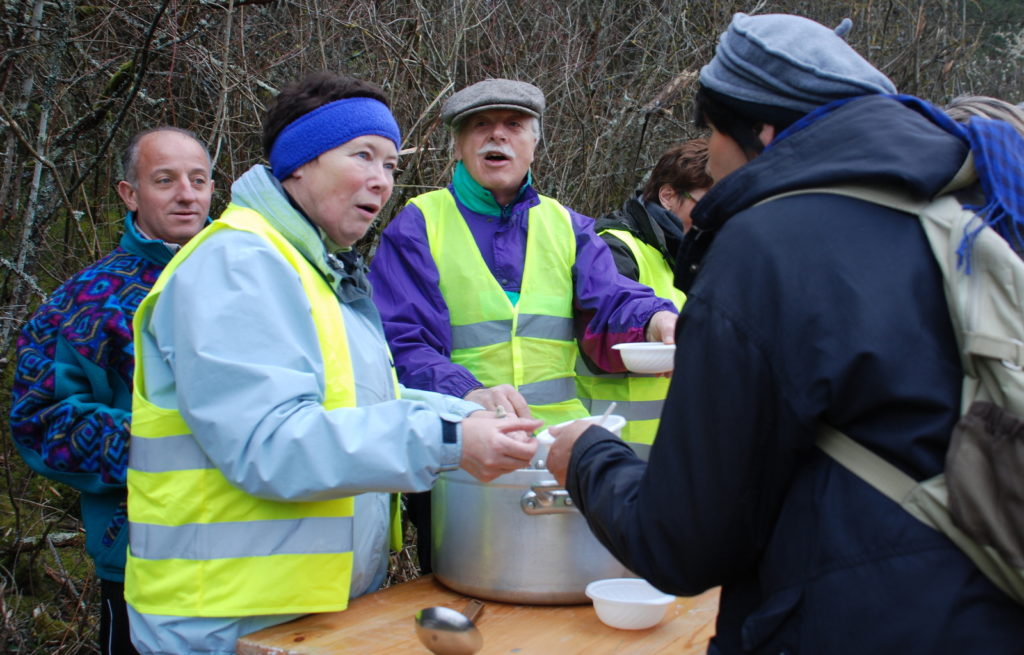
547,498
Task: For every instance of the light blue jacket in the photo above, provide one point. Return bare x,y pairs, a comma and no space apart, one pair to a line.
233,321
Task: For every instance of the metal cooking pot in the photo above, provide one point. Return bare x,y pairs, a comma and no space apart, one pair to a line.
517,539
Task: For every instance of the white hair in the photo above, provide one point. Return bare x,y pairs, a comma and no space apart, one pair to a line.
535,124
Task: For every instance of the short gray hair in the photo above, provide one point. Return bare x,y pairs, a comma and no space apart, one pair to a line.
130,155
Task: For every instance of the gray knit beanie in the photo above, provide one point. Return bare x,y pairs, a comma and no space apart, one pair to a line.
787,61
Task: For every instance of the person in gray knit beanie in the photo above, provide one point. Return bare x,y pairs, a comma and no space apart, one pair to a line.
807,307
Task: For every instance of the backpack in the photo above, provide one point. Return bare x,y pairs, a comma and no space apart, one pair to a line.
978,501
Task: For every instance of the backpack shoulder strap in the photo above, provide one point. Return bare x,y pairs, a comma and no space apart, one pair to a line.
927,501
944,220
889,195
865,464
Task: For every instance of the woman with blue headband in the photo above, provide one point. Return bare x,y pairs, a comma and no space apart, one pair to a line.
268,425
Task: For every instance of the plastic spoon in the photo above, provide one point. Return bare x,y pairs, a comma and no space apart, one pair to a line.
607,413
449,632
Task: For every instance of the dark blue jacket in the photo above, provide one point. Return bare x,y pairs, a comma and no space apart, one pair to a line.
805,309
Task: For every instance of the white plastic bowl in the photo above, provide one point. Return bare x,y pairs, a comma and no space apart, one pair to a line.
614,424
647,357
628,603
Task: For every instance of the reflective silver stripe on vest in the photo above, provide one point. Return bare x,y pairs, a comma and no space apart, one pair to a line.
488,333
478,335
160,455
203,541
548,392
540,326
631,410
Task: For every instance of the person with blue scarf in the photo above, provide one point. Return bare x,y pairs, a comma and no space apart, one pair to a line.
808,309
268,425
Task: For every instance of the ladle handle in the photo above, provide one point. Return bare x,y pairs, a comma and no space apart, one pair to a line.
473,609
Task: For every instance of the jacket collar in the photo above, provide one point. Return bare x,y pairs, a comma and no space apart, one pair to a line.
153,250
649,221
480,200
343,268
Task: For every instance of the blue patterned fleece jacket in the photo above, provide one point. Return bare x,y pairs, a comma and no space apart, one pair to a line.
71,411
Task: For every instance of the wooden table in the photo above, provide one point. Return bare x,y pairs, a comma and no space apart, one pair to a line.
383,623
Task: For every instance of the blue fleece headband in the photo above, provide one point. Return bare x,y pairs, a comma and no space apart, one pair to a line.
327,127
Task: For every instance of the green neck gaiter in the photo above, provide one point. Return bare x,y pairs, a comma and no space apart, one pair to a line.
477,198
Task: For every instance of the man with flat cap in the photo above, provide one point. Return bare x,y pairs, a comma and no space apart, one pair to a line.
805,310
486,286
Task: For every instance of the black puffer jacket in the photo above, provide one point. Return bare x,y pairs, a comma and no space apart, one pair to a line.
805,309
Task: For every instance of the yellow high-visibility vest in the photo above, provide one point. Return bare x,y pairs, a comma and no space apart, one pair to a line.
198,545
531,344
638,397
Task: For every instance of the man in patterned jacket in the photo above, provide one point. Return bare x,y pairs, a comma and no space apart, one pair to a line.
71,411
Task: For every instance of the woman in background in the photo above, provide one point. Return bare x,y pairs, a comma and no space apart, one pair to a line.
644,237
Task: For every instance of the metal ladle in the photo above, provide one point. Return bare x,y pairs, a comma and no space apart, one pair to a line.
449,632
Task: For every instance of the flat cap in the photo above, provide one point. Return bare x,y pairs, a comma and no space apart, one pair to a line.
788,61
493,94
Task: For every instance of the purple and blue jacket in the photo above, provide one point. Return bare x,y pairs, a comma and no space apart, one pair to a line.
610,308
